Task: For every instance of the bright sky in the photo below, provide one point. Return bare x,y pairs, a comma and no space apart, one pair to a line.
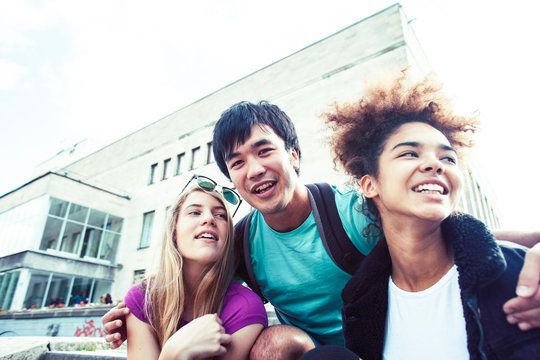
98,69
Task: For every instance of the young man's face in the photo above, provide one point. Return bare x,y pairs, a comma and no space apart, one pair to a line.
263,171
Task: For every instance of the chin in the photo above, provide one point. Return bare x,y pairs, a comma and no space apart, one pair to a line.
435,215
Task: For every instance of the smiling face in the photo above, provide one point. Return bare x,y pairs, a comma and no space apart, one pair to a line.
263,171
202,229
418,175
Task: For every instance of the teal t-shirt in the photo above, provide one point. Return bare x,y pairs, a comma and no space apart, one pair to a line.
296,274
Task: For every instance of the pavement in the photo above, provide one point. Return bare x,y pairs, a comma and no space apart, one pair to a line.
56,348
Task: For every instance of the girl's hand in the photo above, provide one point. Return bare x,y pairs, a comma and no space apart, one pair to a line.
201,338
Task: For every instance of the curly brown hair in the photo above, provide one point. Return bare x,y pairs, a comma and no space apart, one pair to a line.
361,128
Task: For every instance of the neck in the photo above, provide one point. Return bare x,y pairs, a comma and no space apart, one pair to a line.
420,256
294,214
192,274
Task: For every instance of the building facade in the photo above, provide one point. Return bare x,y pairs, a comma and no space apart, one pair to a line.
99,219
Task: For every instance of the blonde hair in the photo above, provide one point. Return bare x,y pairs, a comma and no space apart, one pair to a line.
165,293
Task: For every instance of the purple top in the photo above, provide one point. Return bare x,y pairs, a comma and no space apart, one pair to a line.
241,307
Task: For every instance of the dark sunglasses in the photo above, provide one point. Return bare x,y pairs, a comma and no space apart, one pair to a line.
208,184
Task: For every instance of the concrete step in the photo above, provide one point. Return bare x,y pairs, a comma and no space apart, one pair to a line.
85,355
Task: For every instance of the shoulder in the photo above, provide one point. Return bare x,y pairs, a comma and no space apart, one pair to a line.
349,203
242,307
239,296
135,294
135,301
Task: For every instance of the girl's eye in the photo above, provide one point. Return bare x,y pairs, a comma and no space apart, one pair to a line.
221,215
409,154
450,159
194,212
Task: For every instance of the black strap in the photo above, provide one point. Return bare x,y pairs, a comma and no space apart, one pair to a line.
333,235
244,268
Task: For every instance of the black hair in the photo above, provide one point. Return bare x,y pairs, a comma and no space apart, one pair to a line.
235,124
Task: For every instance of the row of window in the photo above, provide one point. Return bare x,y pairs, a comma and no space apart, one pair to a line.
196,160
82,231
47,288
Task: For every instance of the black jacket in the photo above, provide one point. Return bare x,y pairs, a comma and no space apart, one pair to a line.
487,278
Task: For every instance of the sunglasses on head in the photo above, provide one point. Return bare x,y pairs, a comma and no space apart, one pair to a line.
208,184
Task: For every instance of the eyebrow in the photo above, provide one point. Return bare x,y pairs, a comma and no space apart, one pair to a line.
200,205
417,144
255,145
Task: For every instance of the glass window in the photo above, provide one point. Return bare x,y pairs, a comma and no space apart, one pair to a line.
101,289
78,213
96,218
114,223
153,168
195,157
148,221
49,240
109,246
180,163
81,233
36,290
58,207
91,242
138,276
58,290
166,168
8,284
80,291
209,154
71,238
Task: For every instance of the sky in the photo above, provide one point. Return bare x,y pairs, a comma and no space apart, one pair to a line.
100,70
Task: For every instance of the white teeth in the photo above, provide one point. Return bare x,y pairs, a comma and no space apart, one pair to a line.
263,187
206,235
429,187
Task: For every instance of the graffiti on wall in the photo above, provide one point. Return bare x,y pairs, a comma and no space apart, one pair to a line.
89,329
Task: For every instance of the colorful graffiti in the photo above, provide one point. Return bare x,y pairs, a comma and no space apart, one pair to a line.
89,329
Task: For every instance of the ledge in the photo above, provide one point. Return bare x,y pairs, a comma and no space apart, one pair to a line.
85,311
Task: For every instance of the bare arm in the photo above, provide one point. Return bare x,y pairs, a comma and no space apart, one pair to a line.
202,338
242,341
142,343
525,238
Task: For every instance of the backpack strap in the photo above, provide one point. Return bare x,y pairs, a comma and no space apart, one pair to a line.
335,240
242,247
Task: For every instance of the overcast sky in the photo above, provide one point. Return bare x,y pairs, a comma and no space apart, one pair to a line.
71,70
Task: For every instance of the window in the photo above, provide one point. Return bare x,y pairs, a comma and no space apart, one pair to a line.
209,154
80,291
153,168
138,276
195,157
58,290
8,283
146,234
79,230
166,168
180,163
35,292
49,288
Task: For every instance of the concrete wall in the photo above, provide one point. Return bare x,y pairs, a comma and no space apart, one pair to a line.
83,322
